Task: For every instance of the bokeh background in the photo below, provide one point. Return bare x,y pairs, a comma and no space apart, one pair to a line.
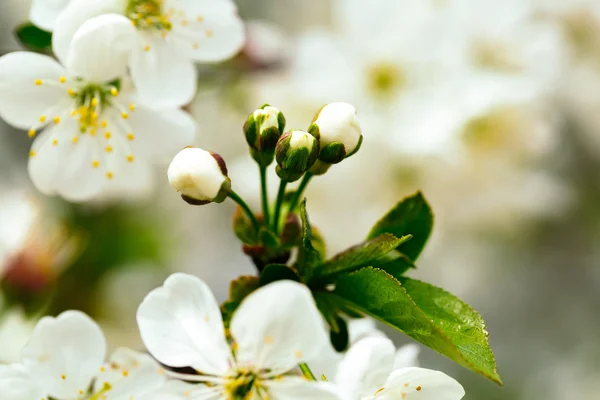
491,108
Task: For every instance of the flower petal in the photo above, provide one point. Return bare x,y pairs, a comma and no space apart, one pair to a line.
207,31
100,49
163,77
58,165
16,384
160,134
43,13
407,356
181,325
71,19
130,374
177,390
269,336
79,180
65,353
296,388
24,95
420,384
365,367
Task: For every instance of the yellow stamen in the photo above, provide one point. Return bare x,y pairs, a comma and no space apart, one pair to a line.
94,102
109,175
132,107
124,115
42,118
56,120
75,139
63,79
104,124
31,133
71,92
199,18
55,142
209,33
114,92
38,82
107,135
130,158
130,137
147,48
96,164
108,149
32,154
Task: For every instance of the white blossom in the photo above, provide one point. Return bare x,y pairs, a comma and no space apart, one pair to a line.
181,325
170,36
94,136
44,13
369,371
64,360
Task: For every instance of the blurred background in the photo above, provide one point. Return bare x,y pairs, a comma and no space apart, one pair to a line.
491,108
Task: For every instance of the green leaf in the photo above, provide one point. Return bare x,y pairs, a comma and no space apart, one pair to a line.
412,216
277,272
424,312
308,255
34,38
394,263
355,257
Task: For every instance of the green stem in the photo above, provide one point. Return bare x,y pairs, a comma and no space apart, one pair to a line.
298,193
264,194
307,372
278,204
235,197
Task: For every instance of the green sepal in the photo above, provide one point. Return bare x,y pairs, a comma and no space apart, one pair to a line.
239,289
268,238
34,38
333,153
277,272
424,312
243,228
355,257
340,338
411,216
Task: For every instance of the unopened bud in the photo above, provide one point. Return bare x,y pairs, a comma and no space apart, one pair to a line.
339,132
262,129
296,152
200,176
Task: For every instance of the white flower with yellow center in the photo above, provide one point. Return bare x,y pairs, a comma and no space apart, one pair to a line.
171,36
93,136
371,369
64,360
181,325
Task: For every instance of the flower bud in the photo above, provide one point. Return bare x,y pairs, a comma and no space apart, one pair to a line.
263,129
296,152
339,132
200,176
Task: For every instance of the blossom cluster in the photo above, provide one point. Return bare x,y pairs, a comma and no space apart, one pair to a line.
110,105
193,356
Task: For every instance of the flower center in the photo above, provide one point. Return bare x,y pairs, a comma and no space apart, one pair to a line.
243,385
386,79
148,14
90,100
496,56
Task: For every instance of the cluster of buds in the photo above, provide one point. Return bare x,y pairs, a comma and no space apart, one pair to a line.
201,176
334,134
